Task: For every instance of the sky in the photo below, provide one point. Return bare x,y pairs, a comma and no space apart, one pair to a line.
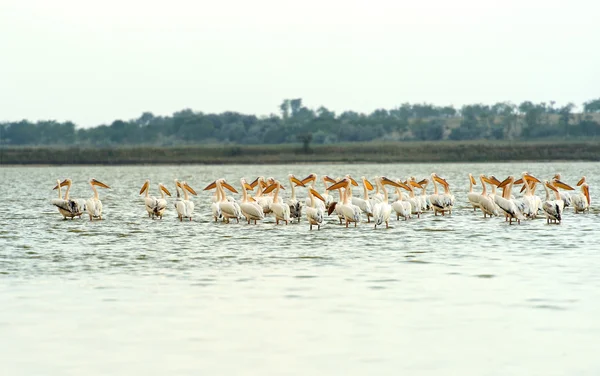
94,62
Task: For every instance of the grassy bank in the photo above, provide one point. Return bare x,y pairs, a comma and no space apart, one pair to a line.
388,152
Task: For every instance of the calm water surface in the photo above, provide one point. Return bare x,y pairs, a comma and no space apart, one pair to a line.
453,295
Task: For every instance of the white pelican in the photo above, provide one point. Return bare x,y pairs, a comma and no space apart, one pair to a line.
312,178
382,210
155,206
184,207
263,200
527,204
351,213
506,203
93,204
334,205
364,203
66,206
294,204
281,211
403,208
249,207
473,197
441,203
553,208
415,202
486,202
229,209
314,215
328,198
565,196
582,201
423,197
377,196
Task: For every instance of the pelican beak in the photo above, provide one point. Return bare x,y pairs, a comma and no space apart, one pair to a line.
518,181
190,189
530,177
226,185
560,184
99,184
368,185
63,183
309,178
248,187
251,199
164,189
316,194
269,189
212,185
581,181
354,183
586,192
254,183
523,187
494,180
472,179
340,184
331,207
386,181
551,187
442,181
330,180
297,182
144,187
504,182
415,184
263,185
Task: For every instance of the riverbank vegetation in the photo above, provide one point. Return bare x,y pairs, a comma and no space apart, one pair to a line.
298,124
365,152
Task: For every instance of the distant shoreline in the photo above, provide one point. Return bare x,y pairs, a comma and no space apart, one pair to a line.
370,152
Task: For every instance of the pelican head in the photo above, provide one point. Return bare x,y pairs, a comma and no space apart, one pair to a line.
352,181
186,186
316,194
98,183
505,182
295,180
367,183
472,179
550,185
435,177
66,182
581,181
145,186
162,188
343,183
309,178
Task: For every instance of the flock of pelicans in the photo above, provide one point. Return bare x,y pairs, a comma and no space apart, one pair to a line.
410,199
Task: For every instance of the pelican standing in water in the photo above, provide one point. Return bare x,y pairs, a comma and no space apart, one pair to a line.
93,204
314,215
473,197
66,206
364,203
486,202
281,210
553,208
351,213
185,207
582,201
382,210
228,209
155,206
506,203
441,203
402,207
565,196
250,208
294,204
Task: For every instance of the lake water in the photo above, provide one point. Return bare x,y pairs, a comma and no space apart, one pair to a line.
455,295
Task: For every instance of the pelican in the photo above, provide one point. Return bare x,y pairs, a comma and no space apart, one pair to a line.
229,209
364,203
527,204
441,203
314,215
473,197
312,178
185,207
250,208
351,213
328,198
486,202
263,200
565,196
423,197
93,204
215,206
506,203
553,208
66,206
581,201
402,207
155,206
281,211
415,203
294,204
334,205
382,210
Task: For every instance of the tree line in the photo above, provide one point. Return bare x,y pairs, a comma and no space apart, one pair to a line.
298,123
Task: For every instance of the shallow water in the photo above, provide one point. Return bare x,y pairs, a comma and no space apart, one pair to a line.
436,295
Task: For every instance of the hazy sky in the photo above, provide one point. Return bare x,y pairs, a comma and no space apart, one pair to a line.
93,62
